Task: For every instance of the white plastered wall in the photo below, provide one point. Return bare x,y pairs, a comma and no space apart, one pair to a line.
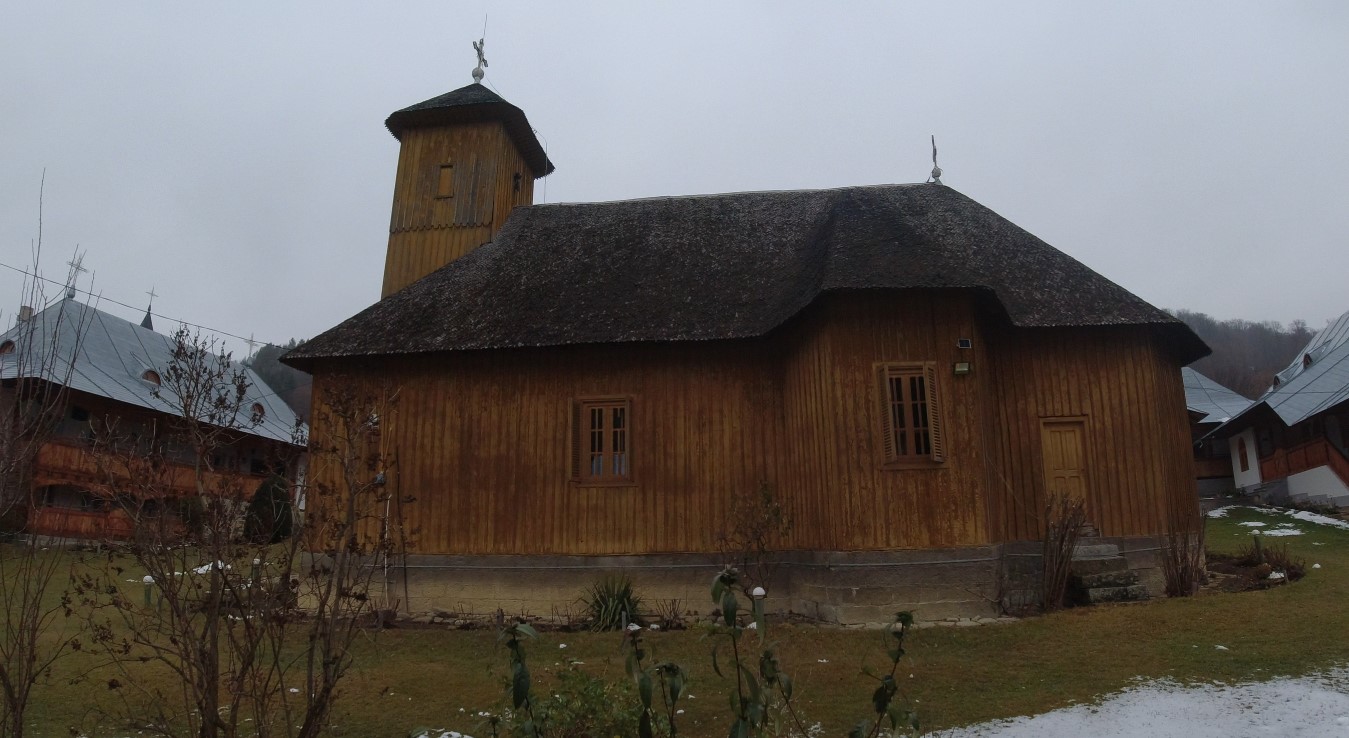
1251,475
1319,485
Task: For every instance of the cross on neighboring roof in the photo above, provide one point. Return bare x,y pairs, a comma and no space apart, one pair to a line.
152,295
76,265
251,343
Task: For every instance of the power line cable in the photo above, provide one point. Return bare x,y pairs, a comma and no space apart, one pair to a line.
171,319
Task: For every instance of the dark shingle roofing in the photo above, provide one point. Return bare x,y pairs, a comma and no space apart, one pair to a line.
728,266
470,104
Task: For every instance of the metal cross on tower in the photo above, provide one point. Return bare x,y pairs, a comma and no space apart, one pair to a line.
482,60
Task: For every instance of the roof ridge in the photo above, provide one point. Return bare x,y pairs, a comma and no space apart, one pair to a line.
736,193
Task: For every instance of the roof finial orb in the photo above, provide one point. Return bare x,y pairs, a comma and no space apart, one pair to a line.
482,61
936,170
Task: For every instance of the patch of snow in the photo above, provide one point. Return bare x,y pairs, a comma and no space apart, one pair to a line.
206,568
1311,517
1221,512
1316,705
1283,532
1253,524
1316,566
1221,648
1276,575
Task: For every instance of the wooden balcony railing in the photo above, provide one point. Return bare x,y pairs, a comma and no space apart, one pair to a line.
1318,452
64,522
70,462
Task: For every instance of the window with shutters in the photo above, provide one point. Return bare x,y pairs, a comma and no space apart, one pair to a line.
601,440
911,432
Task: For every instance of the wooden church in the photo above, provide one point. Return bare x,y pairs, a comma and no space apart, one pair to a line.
586,388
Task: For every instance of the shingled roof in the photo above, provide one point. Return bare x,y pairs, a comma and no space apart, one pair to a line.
472,104
728,266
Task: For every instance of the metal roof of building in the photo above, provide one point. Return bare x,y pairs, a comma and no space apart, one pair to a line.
107,356
1216,402
1315,388
1326,340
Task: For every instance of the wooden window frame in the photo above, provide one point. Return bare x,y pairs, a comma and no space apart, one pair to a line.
579,459
895,449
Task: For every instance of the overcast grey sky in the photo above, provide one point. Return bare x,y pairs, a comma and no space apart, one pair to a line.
233,155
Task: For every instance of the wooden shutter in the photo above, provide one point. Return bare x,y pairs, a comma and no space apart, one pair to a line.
887,422
934,413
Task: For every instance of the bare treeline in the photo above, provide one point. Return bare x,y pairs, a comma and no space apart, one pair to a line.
1246,355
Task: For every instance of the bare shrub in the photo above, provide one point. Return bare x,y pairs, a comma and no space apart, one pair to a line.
1063,520
756,524
258,633
1183,562
35,370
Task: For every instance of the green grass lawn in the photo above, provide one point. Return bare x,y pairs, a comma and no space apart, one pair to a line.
437,678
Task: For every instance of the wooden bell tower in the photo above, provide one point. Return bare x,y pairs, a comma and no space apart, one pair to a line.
467,158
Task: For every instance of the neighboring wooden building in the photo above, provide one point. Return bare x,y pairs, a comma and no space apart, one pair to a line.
1210,405
111,371
586,387
1289,445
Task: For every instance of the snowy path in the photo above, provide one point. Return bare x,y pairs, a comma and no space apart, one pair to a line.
1295,708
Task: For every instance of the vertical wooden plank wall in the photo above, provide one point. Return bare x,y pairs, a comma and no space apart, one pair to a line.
1131,395
427,232
482,442
839,495
482,438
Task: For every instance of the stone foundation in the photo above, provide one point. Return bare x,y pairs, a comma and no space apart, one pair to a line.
834,587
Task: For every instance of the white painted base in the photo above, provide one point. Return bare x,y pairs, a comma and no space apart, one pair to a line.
1318,485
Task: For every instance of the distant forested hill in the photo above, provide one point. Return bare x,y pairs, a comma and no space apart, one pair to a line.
291,385
1246,355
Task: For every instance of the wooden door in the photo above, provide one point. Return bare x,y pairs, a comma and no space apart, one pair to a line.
1065,453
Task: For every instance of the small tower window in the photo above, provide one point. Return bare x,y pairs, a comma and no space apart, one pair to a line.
7,347
151,376
445,186
1306,360
259,412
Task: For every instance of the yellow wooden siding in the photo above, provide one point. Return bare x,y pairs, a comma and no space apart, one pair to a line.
427,232
482,439
1130,394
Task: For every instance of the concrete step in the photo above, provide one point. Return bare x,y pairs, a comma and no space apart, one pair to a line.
1087,566
1131,593
1094,550
1125,578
